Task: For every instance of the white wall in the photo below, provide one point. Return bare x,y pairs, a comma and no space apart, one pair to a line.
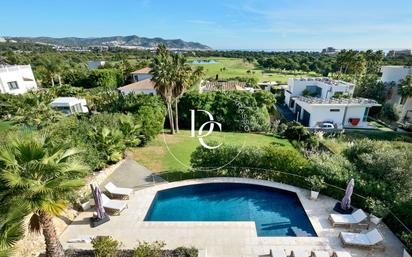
17,73
142,76
355,112
395,73
296,87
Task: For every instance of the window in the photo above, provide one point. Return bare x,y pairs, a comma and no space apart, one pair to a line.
13,85
334,110
365,114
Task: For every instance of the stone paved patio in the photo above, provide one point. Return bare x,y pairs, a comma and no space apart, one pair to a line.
221,239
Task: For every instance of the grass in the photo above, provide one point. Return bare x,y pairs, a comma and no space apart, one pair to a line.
158,158
236,67
338,144
4,125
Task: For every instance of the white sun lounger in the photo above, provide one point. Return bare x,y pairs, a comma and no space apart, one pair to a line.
348,219
367,240
300,253
341,254
121,191
116,206
277,253
320,254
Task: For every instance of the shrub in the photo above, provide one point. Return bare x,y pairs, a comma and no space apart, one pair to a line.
105,246
107,78
145,249
377,207
390,112
296,131
185,252
316,183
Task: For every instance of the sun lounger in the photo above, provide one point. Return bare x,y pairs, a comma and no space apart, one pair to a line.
348,219
368,240
277,253
116,206
118,191
81,239
300,253
320,254
341,254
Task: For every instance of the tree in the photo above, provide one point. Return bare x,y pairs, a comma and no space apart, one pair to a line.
53,67
163,77
406,86
40,176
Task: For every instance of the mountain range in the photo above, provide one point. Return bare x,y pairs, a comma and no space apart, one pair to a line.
115,41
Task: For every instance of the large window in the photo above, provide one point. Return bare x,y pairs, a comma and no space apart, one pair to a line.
13,85
365,114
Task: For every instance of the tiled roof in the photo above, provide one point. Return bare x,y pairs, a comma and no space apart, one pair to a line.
223,86
142,71
140,85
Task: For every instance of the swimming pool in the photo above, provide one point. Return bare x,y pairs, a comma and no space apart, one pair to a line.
275,212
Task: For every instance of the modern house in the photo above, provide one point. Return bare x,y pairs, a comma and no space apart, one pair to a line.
315,101
394,74
70,105
95,64
209,86
142,83
16,79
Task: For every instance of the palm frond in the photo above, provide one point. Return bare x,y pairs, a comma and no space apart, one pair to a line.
34,223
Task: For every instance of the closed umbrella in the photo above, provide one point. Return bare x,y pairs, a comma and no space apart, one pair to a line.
97,195
345,204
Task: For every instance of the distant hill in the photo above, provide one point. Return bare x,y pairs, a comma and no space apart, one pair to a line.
119,41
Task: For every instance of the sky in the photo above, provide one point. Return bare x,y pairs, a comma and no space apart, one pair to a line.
220,24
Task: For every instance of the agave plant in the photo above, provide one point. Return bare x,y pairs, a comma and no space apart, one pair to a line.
40,176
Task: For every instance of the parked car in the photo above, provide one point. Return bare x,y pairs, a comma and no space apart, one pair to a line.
327,125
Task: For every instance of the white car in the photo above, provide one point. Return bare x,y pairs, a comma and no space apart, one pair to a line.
327,125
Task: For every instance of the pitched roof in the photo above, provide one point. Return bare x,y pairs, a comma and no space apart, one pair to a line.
142,71
139,85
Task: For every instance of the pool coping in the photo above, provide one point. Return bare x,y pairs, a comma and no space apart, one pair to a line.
150,194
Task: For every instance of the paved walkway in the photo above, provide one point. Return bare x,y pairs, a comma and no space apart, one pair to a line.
133,175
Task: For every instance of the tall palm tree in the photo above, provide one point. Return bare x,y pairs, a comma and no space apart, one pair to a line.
162,71
184,77
53,67
41,176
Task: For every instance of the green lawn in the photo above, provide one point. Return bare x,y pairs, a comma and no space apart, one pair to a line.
157,157
236,67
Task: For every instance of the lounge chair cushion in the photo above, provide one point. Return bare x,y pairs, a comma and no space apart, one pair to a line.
113,204
320,254
353,218
369,239
111,188
278,253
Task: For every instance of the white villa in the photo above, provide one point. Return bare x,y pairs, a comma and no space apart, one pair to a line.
16,79
70,105
394,74
95,64
315,101
142,83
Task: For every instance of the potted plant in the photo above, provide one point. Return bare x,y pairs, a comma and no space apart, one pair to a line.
316,184
378,210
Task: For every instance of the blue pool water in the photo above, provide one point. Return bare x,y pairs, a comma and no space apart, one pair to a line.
275,212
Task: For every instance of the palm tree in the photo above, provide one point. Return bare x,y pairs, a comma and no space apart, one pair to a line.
41,176
53,67
162,71
183,78
11,227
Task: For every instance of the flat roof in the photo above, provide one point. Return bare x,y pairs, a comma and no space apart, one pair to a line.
336,101
63,101
333,82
